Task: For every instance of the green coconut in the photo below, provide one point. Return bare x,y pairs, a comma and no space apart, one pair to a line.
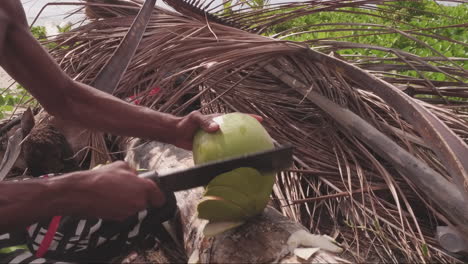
217,209
247,182
233,196
239,134
244,192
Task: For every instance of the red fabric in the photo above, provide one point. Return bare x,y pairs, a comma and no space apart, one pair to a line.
45,244
153,91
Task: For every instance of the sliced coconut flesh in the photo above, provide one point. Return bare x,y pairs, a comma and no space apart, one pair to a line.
303,238
213,229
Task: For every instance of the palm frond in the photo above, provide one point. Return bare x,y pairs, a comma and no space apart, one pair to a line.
339,186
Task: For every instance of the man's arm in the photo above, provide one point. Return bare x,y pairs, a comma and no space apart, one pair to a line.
86,193
20,200
25,202
79,194
29,63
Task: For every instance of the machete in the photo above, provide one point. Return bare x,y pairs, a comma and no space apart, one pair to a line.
108,79
266,161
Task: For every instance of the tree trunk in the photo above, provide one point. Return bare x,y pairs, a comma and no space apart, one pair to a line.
269,237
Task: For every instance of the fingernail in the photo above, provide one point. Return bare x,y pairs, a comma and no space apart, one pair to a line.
213,126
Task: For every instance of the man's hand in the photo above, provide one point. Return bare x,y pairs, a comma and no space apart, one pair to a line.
114,192
190,124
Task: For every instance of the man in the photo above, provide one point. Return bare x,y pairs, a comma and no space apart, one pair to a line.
107,195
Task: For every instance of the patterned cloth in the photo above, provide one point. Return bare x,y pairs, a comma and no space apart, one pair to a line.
64,239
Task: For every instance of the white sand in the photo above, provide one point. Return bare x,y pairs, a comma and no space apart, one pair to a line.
5,79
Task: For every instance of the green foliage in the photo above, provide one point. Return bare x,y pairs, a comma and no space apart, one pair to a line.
9,100
39,32
255,4
65,28
405,15
406,10
227,5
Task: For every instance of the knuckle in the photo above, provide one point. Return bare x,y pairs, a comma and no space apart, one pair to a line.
139,204
119,163
151,188
129,172
195,114
123,164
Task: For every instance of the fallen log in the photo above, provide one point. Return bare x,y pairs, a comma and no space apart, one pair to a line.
269,237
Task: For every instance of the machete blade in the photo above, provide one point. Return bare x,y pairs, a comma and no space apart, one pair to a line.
108,79
266,161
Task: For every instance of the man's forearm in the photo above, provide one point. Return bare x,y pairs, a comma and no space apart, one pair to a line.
34,200
98,110
28,62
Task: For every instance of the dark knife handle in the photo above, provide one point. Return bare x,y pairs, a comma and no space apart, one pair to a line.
168,210
154,176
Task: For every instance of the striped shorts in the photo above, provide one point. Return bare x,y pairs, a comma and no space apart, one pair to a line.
63,239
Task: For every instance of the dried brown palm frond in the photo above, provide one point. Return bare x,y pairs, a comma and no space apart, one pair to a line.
262,20
342,184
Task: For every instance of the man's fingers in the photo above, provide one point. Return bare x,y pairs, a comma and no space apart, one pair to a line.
125,166
155,195
132,170
206,122
259,118
210,126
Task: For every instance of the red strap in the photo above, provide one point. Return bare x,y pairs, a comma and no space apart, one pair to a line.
45,244
153,91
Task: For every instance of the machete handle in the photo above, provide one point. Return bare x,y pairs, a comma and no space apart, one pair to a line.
154,176
168,210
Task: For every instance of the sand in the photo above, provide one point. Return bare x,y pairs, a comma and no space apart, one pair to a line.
5,79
